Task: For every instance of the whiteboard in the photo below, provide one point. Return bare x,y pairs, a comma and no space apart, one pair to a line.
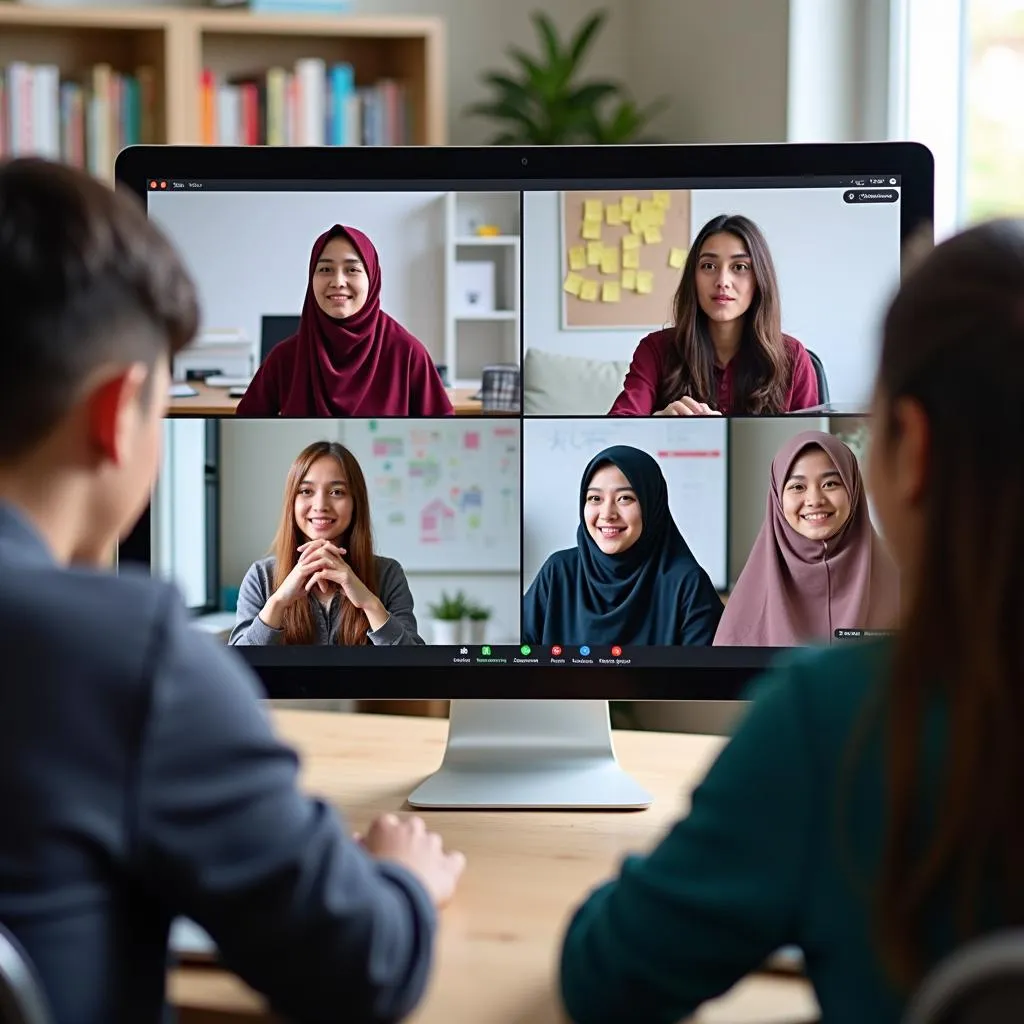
444,494
692,453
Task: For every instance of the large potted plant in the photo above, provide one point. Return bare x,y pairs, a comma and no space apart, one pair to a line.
544,103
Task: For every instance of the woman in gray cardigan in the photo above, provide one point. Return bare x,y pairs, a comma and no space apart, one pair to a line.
324,584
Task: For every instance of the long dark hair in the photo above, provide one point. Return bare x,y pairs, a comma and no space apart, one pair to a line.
961,642
357,540
761,366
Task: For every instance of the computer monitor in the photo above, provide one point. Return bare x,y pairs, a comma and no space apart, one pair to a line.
505,566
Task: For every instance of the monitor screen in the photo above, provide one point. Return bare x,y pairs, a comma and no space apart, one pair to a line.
459,431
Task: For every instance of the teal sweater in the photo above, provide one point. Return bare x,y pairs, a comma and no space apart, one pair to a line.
759,863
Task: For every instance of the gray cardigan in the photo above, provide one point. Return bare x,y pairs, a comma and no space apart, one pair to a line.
393,590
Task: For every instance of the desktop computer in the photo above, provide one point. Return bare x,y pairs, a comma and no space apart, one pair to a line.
668,495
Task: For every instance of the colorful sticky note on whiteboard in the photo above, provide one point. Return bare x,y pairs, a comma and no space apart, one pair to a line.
629,204
646,208
630,242
631,258
591,230
610,291
589,291
573,283
676,258
594,250
652,235
593,209
629,279
656,217
610,261
644,282
613,214
662,199
637,223
577,257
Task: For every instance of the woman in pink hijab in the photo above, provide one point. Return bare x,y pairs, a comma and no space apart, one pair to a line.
348,358
817,564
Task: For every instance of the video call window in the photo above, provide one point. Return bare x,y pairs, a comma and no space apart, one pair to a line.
483,425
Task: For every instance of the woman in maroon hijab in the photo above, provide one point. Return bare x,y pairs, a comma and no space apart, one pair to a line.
817,565
349,358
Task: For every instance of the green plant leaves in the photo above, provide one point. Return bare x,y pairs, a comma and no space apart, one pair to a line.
546,106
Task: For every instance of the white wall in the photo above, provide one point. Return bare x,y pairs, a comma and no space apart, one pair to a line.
837,265
249,251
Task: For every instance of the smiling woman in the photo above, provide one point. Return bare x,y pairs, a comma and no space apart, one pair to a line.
817,565
323,583
348,357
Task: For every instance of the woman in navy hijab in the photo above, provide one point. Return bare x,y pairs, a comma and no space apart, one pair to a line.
630,579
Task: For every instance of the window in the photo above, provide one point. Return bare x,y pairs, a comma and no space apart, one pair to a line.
993,130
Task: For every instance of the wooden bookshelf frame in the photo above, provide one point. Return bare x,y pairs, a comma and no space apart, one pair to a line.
179,43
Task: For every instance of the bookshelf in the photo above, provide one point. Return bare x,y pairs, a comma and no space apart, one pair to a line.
175,46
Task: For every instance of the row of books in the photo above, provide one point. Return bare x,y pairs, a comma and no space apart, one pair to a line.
311,104
86,120
83,121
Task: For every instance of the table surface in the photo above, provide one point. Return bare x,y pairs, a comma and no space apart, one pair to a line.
526,871
213,401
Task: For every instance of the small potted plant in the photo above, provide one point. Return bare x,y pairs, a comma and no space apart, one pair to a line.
477,616
447,616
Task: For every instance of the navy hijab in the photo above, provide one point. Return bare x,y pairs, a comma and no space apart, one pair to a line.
654,593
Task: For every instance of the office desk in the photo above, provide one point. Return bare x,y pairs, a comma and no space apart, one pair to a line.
498,940
212,401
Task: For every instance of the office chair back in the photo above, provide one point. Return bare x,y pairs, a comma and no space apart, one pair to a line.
819,373
273,330
21,996
982,983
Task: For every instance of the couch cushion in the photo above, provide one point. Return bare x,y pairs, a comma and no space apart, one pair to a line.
558,385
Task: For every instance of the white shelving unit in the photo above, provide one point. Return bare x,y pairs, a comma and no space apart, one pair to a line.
477,338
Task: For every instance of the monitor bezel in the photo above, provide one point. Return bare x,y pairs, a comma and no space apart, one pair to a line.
448,165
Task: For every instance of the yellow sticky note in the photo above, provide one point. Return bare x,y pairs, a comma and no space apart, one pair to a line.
630,242
647,207
629,205
610,261
591,230
629,279
637,223
631,258
610,291
573,283
577,257
662,200
593,209
594,251
644,282
652,235
613,213
676,258
589,291
656,217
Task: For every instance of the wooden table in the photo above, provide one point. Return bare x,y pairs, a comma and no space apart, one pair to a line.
526,871
211,401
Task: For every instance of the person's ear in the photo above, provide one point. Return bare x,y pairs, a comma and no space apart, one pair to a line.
112,411
911,447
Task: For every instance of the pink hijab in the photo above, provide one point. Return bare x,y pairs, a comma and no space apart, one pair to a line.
793,590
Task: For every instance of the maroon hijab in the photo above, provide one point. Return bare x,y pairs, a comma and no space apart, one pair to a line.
794,590
365,364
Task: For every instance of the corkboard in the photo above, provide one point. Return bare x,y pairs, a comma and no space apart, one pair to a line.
619,301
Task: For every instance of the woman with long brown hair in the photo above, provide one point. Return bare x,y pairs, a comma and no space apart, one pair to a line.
726,352
868,809
323,583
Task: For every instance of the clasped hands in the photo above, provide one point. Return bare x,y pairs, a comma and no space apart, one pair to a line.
322,564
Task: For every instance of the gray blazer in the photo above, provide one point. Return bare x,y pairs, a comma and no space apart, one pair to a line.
140,780
393,590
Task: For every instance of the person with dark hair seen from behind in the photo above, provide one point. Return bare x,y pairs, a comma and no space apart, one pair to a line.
349,357
868,807
140,778
725,352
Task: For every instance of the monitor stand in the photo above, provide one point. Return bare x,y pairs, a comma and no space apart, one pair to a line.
530,754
